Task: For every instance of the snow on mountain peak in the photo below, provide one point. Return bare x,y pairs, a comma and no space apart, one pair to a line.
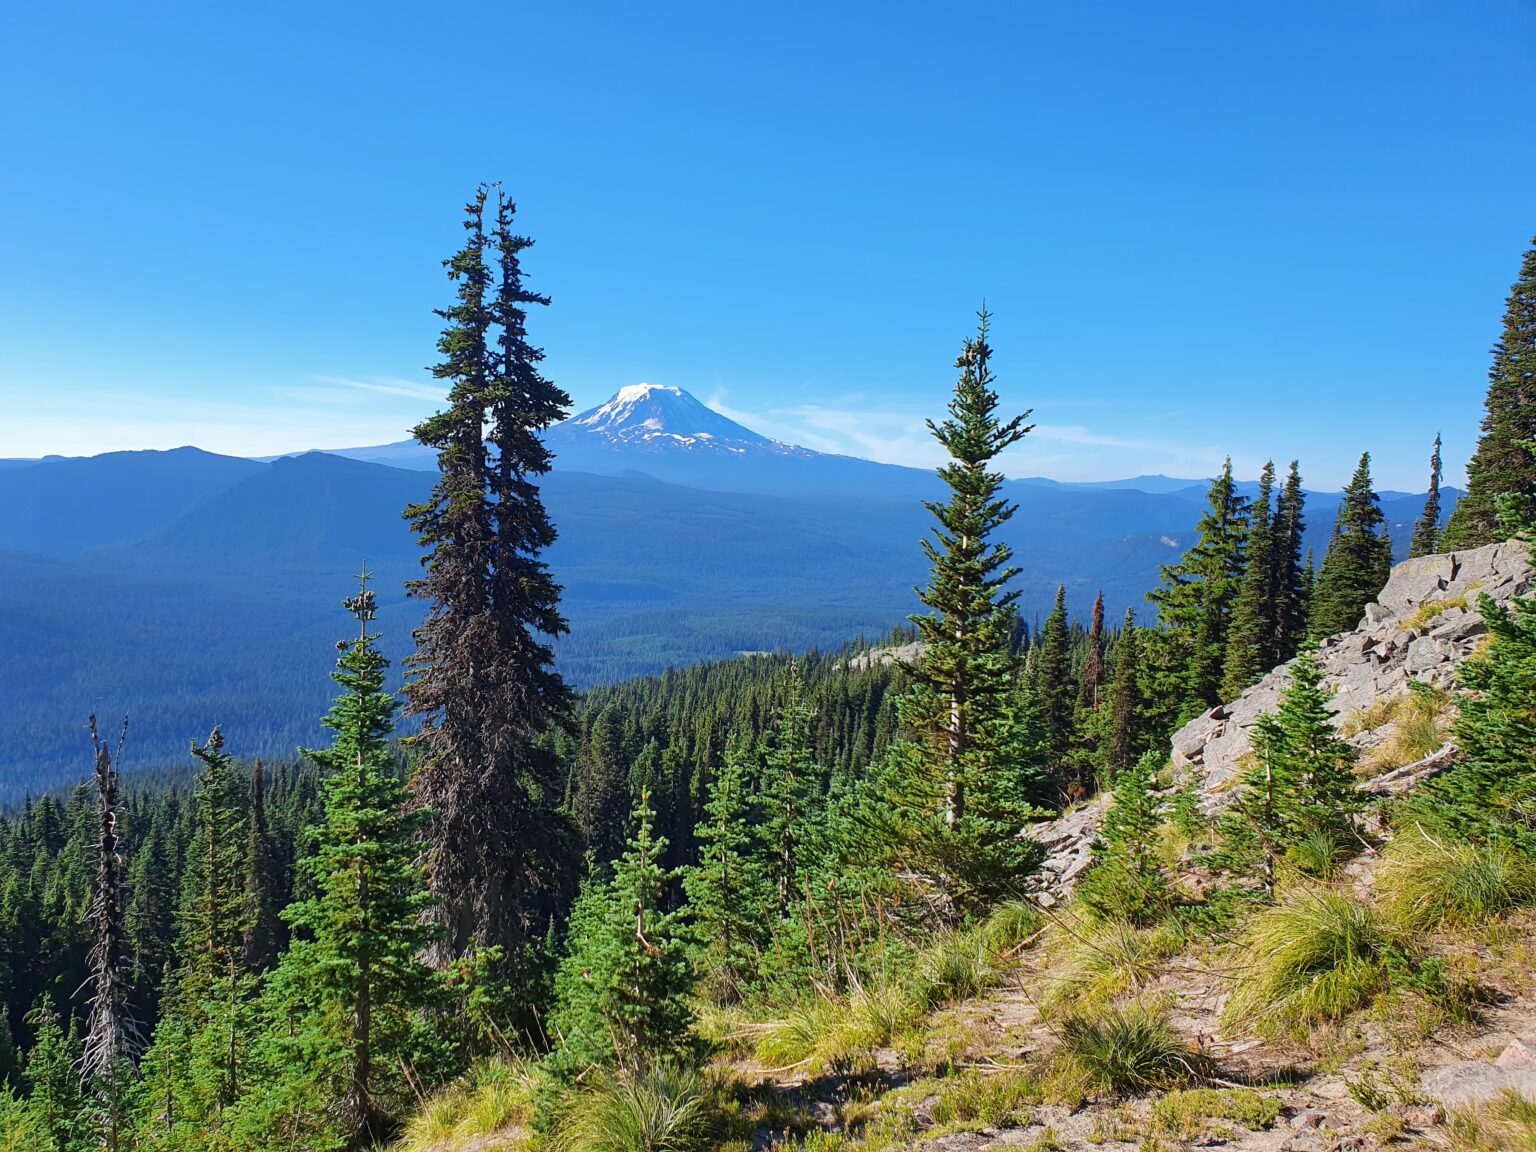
660,417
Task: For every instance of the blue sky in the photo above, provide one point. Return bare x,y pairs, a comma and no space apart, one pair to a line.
1265,228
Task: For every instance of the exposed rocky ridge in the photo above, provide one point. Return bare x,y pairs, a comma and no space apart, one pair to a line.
1421,627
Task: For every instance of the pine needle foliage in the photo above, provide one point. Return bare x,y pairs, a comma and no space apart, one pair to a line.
621,990
346,1003
501,854
1503,467
1426,530
1490,793
950,801
1358,560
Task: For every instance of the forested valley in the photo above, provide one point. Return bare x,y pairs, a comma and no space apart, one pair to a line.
736,905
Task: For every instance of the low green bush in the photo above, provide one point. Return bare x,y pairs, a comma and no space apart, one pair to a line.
1126,1050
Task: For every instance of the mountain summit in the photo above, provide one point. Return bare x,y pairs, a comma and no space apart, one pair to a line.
659,418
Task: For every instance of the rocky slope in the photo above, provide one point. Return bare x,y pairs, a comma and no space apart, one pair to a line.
1421,627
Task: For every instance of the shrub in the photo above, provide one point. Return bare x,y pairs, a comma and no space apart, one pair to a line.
1126,1050
1318,956
1425,884
666,1108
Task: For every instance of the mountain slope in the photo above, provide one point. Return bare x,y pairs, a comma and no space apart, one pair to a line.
62,506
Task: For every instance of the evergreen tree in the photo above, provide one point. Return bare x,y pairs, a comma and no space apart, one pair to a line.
1092,678
1299,791
731,897
1426,532
194,1069
111,1032
952,798
1503,465
1254,618
1490,792
1196,599
499,851
151,916
1358,561
51,1075
1127,881
789,791
1125,731
263,928
1292,583
621,991
348,997
1055,693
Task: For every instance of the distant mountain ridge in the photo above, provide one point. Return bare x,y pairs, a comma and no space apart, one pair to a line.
187,588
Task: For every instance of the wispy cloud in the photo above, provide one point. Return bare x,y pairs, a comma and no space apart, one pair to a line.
897,436
388,386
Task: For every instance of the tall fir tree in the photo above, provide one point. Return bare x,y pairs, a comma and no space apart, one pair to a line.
621,991
346,1002
1426,532
952,797
1292,581
263,929
1503,466
1055,693
194,1070
1358,560
112,1041
789,788
1195,601
500,853
731,896
1124,728
1091,681
1251,640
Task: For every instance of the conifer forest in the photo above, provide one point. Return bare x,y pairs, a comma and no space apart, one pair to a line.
749,903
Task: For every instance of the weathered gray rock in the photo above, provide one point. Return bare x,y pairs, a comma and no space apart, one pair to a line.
1396,643
1476,1082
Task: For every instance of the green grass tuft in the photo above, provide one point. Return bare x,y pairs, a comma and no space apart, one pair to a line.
1507,1124
1424,883
1317,956
1126,1050
661,1109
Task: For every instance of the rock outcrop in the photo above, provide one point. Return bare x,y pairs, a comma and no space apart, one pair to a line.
1424,623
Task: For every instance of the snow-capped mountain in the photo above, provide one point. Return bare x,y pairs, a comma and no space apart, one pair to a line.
660,418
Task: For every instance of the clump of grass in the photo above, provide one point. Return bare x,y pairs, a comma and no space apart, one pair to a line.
1100,962
1431,609
973,1100
1318,956
1507,1124
666,1108
1186,1113
838,1035
1126,1050
1010,925
1321,852
497,1099
1368,719
1418,721
1424,883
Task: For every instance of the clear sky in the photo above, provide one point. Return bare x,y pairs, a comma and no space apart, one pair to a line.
1259,228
